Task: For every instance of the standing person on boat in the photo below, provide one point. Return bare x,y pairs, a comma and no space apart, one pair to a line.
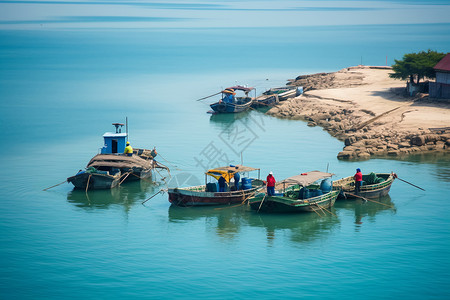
128,150
270,184
222,184
358,181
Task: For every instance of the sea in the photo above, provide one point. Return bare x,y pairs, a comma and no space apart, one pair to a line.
69,69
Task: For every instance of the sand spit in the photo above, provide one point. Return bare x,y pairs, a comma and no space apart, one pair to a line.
367,110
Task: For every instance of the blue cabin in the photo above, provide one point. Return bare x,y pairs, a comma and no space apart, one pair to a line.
114,142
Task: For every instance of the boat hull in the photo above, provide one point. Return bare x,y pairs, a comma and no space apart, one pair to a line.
224,107
265,100
196,196
282,204
94,181
367,191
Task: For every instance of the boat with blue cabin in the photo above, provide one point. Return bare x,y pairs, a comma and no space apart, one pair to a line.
229,103
111,167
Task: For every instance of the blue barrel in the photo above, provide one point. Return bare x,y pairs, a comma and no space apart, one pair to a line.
315,193
306,193
326,185
246,183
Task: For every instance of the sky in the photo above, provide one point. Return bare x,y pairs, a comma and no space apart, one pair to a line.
145,14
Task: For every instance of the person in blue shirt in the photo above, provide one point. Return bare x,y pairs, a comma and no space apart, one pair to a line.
222,184
229,96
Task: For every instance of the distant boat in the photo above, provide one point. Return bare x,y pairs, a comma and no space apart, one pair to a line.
231,104
375,185
111,167
208,193
298,194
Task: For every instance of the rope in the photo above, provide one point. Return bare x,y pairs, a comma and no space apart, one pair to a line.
87,185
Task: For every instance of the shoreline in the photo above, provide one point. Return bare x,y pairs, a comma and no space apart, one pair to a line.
366,109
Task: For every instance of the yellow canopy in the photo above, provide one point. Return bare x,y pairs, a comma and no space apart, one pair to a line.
228,172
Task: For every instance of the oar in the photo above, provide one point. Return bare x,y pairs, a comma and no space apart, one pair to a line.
329,211
128,173
152,196
54,185
369,200
411,184
261,203
320,208
316,211
208,96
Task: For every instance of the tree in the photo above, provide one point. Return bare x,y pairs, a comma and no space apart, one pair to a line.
416,66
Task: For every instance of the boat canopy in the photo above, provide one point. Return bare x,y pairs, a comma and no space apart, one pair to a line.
119,161
305,179
228,171
239,88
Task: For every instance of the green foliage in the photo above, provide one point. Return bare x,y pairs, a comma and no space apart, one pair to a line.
416,66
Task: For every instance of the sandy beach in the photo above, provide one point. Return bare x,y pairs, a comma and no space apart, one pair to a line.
369,112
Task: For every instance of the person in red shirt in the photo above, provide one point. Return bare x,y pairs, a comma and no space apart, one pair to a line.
270,184
358,181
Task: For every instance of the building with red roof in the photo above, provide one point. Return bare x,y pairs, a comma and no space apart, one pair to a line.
441,88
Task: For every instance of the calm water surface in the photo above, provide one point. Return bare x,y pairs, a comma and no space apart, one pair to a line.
60,91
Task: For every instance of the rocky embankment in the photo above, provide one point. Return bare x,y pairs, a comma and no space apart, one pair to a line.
361,107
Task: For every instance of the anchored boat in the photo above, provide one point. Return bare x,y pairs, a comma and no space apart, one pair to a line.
209,193
232,104
374,185
273,96
112,167
298,194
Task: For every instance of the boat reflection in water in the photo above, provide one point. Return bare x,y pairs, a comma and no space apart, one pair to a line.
229,221
226,221
126,195
300,228
367,210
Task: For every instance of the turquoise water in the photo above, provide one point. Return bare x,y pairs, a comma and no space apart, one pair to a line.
61,89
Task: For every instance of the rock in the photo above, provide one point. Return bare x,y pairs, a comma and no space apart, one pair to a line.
393,152
440,145
392,147
432,138
404,145
364,155
311,124
350,140
345,155
417,140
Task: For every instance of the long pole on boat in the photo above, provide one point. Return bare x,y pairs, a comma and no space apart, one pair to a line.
208,96
126,126
55,185
411,184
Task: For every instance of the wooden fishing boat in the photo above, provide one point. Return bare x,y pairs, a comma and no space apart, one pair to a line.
266,100
375,185
298,194
111,167
208,193
273,96
231,104
132,167
94,179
